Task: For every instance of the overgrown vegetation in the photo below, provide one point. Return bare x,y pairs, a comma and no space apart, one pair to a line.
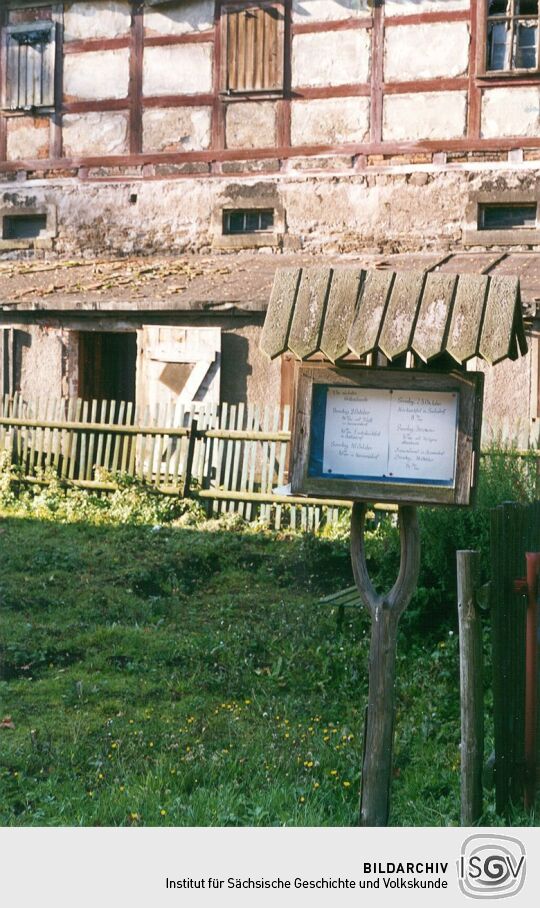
157,669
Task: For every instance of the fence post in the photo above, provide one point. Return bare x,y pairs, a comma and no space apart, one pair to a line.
189,459
471,671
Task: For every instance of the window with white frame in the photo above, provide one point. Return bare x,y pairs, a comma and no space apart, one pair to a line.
512,36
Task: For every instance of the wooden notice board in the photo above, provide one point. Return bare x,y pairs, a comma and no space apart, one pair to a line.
405,436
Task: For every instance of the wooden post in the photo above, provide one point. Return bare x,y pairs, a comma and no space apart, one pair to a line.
472,706
189,459
385,611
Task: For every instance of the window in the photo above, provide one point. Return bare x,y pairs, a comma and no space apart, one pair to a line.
29,69
512,35
506,217
255,220
253,42
23,226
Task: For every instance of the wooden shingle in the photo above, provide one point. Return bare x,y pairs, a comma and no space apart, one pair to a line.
348,311
369,314
432,318
309,310
275,333
466,321
342,301
395,337
497,331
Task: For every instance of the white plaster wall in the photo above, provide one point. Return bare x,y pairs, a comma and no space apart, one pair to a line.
329,121
331,58
424,115
411,7
96,20
191,16
176,128
96,75
251,125
95,134
184,69
328,10
507,390
511,112
426,51
27,138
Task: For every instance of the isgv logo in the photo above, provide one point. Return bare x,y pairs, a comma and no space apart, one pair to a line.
491,866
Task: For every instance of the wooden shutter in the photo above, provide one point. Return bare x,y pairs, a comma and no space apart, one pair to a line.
30,60
254,42
181,364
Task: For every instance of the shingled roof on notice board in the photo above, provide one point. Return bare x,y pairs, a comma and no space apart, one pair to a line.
351,311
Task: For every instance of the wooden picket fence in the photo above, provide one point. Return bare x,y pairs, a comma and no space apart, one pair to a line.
230,456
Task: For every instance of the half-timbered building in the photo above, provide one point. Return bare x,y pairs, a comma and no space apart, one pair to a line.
158,160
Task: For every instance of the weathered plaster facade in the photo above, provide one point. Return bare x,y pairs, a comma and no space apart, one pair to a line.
379,133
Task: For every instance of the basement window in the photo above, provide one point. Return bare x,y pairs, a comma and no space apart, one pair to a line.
254,220
29,66
23,226
507,217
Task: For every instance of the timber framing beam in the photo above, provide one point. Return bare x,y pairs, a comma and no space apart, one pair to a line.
473,84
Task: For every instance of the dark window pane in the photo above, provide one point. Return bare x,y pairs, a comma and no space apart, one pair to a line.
267,220
506,217
251,220
526,46
526,7
498,8
23,226
235,222
497,38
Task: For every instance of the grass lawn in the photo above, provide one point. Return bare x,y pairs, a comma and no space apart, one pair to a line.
179,676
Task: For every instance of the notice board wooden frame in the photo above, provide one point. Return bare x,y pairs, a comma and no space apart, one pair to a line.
468,385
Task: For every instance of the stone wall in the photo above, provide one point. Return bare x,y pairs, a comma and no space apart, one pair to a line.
390,210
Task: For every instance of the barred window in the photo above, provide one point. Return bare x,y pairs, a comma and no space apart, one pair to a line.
253,44
251,220
512,35
29,66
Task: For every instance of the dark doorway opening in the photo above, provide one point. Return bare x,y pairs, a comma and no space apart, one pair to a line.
107,365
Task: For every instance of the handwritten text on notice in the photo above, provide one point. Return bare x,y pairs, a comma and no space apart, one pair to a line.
393,435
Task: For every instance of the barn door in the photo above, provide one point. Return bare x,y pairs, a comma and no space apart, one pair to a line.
178,364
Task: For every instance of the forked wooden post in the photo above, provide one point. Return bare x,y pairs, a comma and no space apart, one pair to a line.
385,610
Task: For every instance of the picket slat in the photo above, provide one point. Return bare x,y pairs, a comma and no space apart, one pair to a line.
229,445
282,459
91,441
252,455
237,455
